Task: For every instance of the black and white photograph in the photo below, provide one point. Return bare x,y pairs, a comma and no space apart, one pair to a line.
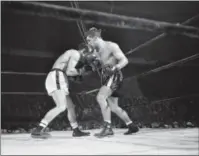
99,77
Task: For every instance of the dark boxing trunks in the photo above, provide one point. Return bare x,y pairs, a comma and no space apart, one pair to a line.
113,81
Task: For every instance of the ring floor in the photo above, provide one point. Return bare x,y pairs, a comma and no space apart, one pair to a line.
146,141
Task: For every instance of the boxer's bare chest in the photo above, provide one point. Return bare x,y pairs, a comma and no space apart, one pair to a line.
106,56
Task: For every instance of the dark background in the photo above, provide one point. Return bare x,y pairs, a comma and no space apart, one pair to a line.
31,44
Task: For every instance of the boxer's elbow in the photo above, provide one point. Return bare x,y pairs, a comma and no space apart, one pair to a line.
69,73
72,72
124,62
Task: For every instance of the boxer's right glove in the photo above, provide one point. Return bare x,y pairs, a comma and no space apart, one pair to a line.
90,58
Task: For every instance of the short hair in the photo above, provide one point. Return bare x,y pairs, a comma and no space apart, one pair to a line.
82,46
93,32
85,47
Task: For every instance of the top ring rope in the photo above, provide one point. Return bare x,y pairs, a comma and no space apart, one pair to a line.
152,40
106,19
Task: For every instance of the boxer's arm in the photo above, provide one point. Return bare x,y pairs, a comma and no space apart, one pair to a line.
119,55
73,60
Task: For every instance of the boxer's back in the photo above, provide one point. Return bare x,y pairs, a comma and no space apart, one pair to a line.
62,61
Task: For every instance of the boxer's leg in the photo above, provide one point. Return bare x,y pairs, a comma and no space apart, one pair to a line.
72,119
59,97
113,103
53,87
58,89
104,92
71,112
102,96
62,102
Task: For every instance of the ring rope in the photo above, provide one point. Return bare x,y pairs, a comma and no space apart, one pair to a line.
167,66
79,23
152,102
158,37
106,19
82,27
146,44
131,51
181,61
23,93
174,98
24,73
155,25
193,57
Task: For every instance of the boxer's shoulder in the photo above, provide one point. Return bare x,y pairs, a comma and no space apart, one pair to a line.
112,44
73,51
74,54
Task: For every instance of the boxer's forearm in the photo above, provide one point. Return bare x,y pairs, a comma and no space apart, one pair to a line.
119,55
73,72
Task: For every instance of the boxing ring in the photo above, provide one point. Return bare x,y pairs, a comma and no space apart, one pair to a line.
146,141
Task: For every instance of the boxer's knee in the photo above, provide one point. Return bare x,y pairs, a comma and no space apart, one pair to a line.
100,98
62,107
115,108
71,107
104,93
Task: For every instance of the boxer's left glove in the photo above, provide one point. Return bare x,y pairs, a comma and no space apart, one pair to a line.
91,60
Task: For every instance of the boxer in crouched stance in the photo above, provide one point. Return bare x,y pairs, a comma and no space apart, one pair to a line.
57,87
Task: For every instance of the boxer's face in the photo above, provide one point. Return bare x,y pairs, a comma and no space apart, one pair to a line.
87,50
92,40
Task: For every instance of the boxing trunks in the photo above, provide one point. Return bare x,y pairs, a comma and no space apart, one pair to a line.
114,81
56,80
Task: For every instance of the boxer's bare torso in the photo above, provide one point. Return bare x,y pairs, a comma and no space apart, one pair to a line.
67,62
109,53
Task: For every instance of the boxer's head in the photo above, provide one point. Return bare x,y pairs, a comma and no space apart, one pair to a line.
92,36
88,53
85,48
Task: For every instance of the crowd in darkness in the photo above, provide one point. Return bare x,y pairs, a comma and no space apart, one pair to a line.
22,113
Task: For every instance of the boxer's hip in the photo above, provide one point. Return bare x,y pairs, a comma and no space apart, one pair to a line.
56,80
113,81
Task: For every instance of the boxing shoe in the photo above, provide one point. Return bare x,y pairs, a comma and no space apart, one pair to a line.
131,129
39,132
105,132
78,133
